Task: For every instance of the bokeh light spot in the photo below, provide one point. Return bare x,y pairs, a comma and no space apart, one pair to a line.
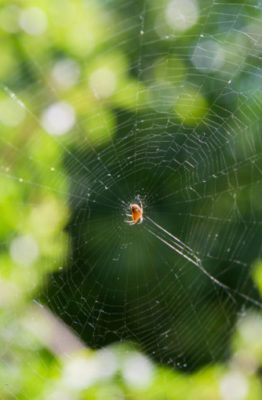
233,386
138,370
33,21
103,82
181,14
66,73
24,250
58,119
208,56
191,107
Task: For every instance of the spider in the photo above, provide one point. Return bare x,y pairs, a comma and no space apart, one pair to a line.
137,214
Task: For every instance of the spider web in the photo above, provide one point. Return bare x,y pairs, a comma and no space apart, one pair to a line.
187,145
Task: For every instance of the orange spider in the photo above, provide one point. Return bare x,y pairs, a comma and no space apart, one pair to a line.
137,214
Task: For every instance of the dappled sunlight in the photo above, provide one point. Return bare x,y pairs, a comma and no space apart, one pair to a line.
130,201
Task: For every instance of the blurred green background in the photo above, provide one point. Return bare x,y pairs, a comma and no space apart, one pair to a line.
106,103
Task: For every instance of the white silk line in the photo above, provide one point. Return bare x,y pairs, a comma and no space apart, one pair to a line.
174,248
183,249
182,244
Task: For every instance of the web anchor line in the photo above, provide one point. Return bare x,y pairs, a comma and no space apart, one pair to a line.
190,255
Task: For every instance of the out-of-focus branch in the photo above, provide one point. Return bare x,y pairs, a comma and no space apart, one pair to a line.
51,331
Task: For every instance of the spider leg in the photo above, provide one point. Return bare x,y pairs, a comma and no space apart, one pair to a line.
130,222
140,220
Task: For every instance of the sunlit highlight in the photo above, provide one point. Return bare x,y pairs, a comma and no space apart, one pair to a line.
11,114
9,16
233,386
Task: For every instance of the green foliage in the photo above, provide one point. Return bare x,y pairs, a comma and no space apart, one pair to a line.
107,89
